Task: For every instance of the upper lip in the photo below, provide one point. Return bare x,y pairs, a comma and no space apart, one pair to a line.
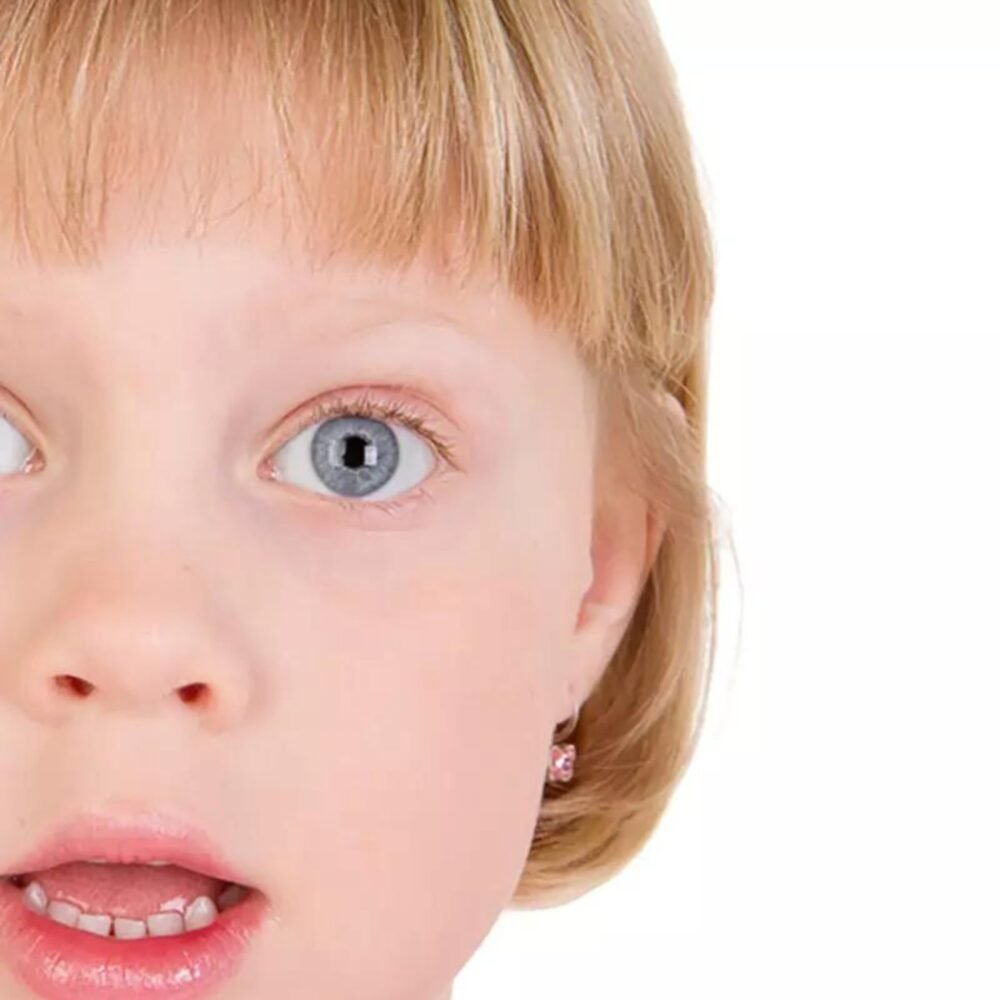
130,839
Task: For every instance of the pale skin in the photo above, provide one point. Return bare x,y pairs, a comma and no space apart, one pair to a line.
381,690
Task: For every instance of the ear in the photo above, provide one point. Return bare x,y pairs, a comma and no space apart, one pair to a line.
626,537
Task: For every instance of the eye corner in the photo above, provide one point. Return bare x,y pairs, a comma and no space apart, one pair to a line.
31,461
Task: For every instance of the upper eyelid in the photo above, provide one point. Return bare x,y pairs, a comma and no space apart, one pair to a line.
429,417
5,395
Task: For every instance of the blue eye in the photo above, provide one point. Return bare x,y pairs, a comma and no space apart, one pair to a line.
356,457
362,450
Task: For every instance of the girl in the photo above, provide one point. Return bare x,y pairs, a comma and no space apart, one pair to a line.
356,556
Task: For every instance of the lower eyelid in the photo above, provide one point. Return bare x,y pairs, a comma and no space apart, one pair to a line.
380,515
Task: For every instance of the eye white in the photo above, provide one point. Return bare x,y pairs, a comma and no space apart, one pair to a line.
293,463
13,454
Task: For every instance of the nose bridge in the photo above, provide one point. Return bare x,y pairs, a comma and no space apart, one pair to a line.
149,392
138,460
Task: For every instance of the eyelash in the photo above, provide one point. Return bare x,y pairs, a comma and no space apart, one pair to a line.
393,411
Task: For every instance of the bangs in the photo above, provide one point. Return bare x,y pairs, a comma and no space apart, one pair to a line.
496,137
373,129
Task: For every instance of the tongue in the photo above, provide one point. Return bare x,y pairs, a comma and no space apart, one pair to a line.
135,891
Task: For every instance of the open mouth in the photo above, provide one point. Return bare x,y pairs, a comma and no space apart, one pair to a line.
91,914
128,901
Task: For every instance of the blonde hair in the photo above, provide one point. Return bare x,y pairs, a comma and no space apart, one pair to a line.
549,138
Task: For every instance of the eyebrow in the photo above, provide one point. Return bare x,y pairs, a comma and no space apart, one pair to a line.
259,313
348,313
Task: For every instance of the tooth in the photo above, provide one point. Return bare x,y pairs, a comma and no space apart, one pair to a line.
95,923
64,913
231,895
35,899
165,924
126,928
200,913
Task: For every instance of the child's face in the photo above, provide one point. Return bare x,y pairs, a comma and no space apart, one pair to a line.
370,745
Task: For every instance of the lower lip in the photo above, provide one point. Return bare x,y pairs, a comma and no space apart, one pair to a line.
62,963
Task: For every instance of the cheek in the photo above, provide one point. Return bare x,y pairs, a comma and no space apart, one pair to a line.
415,722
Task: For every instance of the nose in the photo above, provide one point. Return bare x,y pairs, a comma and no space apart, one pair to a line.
144,644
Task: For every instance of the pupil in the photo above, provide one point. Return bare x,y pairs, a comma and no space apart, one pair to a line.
354,451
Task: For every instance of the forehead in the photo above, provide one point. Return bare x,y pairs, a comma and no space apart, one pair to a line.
248,275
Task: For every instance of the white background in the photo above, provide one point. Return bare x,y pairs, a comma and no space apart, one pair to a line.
837,834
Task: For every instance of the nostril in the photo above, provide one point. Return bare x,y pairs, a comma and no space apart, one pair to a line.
75,684
189,693
192,693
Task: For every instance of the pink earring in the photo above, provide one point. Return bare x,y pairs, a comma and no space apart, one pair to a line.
562,756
